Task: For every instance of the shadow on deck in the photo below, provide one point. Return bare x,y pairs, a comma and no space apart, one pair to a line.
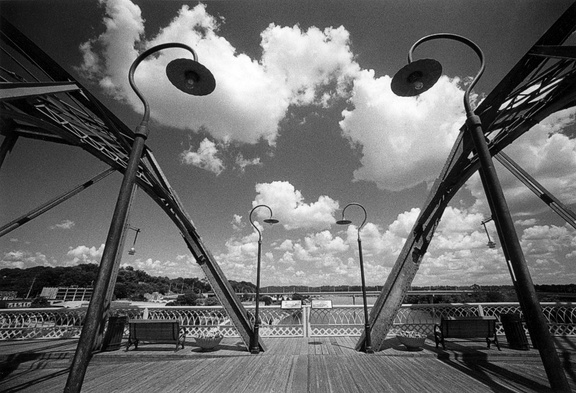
316,364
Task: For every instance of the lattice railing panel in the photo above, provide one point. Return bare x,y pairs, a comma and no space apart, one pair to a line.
40,323
277,322
334,330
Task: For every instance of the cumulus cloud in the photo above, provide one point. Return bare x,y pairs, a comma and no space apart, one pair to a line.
243,163
289,207
22,259
318,257
85,254
66,224
251,97
182,266
108,57
206,157
405,141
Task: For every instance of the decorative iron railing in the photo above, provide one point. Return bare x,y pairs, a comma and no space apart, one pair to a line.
277,322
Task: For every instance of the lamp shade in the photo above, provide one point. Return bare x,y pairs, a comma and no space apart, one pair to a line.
191,77
416,77
343,222
271,221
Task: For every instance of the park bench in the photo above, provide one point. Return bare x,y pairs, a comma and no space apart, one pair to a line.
155,331
466,327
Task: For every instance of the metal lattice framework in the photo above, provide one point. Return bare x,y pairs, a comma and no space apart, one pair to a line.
541,83
40,100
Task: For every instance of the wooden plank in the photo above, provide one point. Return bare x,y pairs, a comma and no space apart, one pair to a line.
298,380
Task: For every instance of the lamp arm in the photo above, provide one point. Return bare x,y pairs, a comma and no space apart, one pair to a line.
136,237
363,209
365,215
137,62
252,222
463,40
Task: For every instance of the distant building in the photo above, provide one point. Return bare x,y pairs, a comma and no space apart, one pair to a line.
67,294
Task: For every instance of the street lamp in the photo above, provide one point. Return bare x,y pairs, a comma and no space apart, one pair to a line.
254,343
414,79
192,78
490,243
132,250
343,221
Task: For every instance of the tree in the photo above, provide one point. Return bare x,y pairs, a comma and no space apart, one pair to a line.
212,301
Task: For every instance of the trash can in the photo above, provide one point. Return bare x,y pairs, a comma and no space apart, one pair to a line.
514,330
114,332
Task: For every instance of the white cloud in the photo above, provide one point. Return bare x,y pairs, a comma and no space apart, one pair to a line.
289,207
66,224
107,58
237,223
22,259
243,163
84,254
183,266
205,157
251,97
308,60
405,141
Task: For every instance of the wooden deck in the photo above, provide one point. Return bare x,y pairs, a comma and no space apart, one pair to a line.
328,364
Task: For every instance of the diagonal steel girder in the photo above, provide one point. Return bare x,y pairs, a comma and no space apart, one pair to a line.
40,100
541,83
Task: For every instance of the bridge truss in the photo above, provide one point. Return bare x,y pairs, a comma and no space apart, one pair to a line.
40,100
541,83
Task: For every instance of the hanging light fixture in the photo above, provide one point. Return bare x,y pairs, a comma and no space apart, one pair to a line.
490,243
132,250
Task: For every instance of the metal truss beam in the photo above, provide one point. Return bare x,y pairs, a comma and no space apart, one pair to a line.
541,83
5,229
533,185
74,116
12,91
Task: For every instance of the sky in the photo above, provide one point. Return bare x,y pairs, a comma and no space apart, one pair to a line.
302,120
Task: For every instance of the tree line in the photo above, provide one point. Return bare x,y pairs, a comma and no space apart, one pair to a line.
133,284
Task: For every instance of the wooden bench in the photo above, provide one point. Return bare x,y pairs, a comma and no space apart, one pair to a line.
466,327
155,331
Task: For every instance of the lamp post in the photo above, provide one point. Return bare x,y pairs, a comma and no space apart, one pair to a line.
490,243
254,342
132,250
191,77
414,79
343,221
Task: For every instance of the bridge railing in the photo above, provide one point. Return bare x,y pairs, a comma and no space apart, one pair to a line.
277,322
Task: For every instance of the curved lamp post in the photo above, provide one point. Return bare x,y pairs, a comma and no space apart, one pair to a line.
343,221
414,79
132,250
254,342
192,78
490,243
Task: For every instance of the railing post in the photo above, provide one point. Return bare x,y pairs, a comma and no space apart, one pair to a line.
480,310
306,320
